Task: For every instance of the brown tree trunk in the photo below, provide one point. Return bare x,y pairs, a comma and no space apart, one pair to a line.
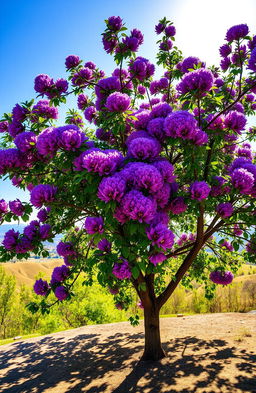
153,348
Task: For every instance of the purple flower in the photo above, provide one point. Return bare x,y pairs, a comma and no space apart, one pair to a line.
4,126
45,232
90,113
161,109
118,102
10,240
160,217
225,209
41,287
189,63
235,121
61,85
43,109
19,113
31,231
220,277
166,45
237,230
47,142
177,205
243,180
103,162
200,81
138,207
159,28
157,258
82,77
70,137
225,50
227,245
160,236
199,190
122,270
43,83
170,31
94,225
225,63
144,148
3,207
112,188
141,68
15,128
251,246
141,90
43,214
109,42
59,274
237,32
41,194
200,138
162,195
16,181
72,61
114,23
82,101
23,245
165,168
25,141
61,293
183,239
16,207
65,249
143,177
9,159
252,60
105,246
180,124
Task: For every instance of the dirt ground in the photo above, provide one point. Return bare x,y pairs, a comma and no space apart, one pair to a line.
206,353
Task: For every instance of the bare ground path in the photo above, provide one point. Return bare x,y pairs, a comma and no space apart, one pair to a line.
207,353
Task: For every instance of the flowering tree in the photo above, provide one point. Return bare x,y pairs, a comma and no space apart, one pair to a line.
139,197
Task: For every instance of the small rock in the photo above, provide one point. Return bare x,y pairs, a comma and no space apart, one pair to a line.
180,315
17,337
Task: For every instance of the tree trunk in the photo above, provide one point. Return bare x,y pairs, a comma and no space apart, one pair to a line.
153,348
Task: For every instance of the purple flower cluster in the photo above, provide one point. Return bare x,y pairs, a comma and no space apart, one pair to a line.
72,61
14,241
94,225
42,194
59,274
157,258
122,270
46,86
118,102
177,205
141,68
61,293
180,124
237,32
199,190
160,236
252,61
17,208
135,206
243,176
225,210
112,188
144,148
189,64
41,287
3,207
10,159
220,277
25,141
104,245
199,81
235,121
158,86
44,110
66,249
103,162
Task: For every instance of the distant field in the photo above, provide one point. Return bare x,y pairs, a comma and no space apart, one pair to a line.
25,272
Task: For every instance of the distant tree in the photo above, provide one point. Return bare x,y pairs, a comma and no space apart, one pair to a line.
7,298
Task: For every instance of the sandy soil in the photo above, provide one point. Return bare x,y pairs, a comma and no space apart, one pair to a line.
206,353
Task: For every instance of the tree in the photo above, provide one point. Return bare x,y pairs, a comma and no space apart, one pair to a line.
7,290
166,165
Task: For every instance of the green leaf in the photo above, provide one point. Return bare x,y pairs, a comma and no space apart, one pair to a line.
135,272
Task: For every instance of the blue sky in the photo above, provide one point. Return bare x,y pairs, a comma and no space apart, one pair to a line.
36,36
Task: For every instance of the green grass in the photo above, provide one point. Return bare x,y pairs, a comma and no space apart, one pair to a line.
11,340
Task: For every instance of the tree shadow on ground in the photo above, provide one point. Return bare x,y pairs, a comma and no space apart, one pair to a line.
92,364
